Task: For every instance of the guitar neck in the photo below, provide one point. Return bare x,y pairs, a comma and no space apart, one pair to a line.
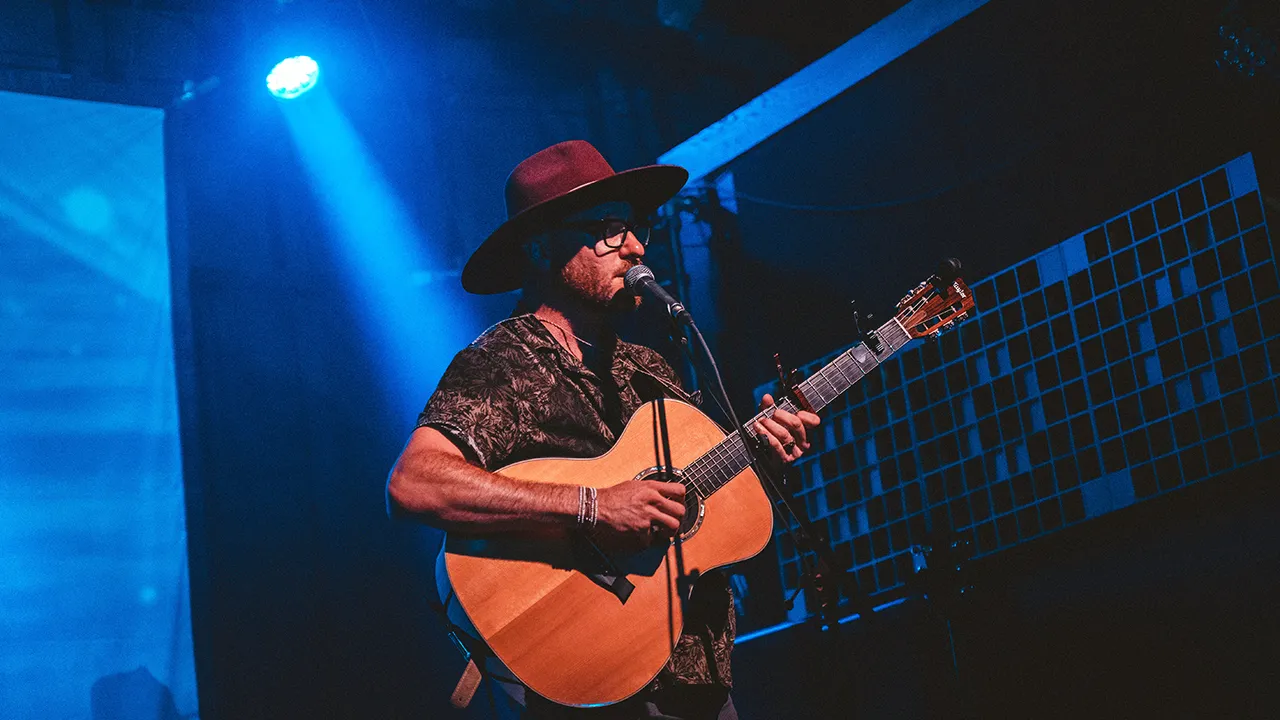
730,457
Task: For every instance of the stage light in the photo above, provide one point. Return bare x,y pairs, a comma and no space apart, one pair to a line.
293,76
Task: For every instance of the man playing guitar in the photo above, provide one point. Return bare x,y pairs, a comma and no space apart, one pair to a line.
553,380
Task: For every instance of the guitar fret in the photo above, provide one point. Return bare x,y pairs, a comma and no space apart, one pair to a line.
837,366
851,366
828,376
814,391
730,456
705,488
852,371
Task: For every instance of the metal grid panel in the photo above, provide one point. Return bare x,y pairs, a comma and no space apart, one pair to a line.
1120,364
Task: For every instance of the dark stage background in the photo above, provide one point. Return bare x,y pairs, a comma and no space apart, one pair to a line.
305,346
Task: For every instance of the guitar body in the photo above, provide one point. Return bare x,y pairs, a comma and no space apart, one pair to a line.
560,629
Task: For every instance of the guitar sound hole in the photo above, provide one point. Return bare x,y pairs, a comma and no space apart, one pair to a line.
692,514
694,509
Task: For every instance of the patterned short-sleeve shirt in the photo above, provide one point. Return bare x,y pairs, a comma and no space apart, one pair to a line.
516,394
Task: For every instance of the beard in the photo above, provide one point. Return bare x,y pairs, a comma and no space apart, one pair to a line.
593,288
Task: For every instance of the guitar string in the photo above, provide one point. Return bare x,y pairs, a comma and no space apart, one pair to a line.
709,472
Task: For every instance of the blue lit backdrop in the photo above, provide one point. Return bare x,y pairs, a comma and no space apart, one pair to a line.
94,608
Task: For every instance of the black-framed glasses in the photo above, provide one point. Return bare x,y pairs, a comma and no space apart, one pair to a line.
613,231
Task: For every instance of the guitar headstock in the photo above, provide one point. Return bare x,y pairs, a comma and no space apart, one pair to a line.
935,306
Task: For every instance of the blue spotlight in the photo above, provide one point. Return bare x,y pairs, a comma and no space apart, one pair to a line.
293,76
382,250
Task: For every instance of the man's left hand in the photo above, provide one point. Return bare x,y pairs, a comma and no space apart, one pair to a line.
787,433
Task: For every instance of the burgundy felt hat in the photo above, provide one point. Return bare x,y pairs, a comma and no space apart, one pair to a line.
550,185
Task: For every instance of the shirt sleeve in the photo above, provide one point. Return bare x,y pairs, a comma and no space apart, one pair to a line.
475,406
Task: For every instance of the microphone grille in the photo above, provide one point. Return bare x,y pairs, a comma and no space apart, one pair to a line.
635,276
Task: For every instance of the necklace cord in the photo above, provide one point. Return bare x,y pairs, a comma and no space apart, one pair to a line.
565,332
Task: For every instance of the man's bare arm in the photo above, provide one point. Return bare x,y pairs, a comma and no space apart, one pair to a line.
433,482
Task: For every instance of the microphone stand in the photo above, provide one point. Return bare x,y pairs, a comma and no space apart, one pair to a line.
822,581
684,581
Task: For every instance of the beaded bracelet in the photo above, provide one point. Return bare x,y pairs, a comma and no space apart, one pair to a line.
588,507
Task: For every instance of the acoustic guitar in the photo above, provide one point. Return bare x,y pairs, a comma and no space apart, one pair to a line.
585,628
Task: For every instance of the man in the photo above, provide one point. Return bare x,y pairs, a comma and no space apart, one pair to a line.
553,380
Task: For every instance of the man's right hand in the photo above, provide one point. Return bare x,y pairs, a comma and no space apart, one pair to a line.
632,515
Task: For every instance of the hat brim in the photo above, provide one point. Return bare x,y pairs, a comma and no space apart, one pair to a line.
497,266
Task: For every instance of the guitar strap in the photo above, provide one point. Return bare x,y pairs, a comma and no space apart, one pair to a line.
466,688
471,649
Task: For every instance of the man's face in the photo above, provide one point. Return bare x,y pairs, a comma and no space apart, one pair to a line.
592,271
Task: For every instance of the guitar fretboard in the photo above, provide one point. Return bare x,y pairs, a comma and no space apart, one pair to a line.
730,457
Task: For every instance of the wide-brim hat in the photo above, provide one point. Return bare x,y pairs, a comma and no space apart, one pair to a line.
550,185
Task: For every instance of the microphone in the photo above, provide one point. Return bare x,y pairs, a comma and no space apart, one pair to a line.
639,280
